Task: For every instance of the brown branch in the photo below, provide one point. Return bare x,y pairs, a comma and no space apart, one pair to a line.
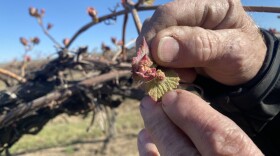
28,48
139,3
124,35
137,20
12,75
26,108
262,9
120,51
92,23
23,67
145,8
46,32
5,81
105,77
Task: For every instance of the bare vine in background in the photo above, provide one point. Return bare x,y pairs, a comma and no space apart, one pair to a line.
48,91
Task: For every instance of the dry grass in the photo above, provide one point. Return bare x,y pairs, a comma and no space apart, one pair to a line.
2,85
67,136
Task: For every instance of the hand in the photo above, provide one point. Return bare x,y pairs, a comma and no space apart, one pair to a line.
184,124
215,38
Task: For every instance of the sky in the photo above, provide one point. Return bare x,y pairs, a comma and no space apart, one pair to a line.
69,16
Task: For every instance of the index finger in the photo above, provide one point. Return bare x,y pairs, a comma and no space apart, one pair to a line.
211,132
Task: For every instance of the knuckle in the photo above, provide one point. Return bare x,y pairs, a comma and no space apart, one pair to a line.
233,142
146,26
224,137
167,8
204,46
233,51
230,141
146,22
163,8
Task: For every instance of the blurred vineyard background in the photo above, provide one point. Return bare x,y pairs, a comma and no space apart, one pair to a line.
68,136
73,95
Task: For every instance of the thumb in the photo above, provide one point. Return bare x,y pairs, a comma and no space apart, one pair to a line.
184,47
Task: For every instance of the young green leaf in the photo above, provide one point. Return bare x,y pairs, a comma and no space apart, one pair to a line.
157,88
156,82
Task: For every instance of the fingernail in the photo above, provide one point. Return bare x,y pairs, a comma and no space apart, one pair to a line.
147,103
169,98
168,49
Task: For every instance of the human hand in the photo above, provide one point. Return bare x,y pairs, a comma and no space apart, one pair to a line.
215,38
184,124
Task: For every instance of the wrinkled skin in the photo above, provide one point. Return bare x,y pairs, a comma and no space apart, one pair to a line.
212,37
208,37
184,124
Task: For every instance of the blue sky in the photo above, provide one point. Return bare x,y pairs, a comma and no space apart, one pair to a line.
68,16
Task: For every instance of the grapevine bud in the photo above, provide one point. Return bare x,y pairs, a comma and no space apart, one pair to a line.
114,40
160,75
35,40
156,82
123,1
49,26
34,12
104,47
92,13
120,43
23,41
27,58
66,41
43,11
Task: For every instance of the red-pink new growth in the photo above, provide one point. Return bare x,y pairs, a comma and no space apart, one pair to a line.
142,65
155,82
